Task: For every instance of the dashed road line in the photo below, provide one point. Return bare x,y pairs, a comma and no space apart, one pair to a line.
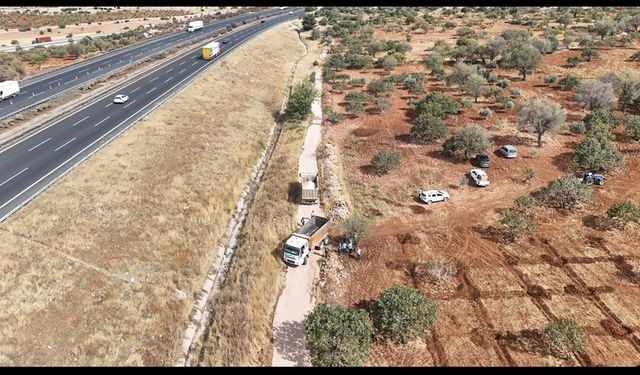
69,141
80,121
39,144
101,121
150,91
12,177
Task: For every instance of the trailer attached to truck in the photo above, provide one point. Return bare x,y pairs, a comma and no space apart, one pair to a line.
211,50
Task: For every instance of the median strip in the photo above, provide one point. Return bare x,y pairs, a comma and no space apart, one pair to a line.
39,144
69,141
102,121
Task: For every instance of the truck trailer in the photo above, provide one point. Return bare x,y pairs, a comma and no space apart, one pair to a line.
211,50
9,89
309,183
41,39
314,233
194,26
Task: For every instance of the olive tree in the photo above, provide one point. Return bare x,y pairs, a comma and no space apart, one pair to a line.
389,63
471,139
516,224
522,56
595,94
597,152
461,72
375,47
495,47
475,85
403,313
338,335
541,115
605,28
633,127
565,192
427,127
623,212
625,86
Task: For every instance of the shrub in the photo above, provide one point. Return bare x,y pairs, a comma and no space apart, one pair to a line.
623,212
529,173
438,104
449,25
565,336
381,86
438,271
574,60
503,83
633,127
597,152
491,65
338,335
389,63
516,224
565,192
412,102
356,226
508,104
48,29
333,117
15,42
485,112
382,104
551,78
386,160
601,115
569,82
578,127
466,103
299,103
403,313
427,127
62,26
526,202
522,56
471,139
514,91
358,82
635,56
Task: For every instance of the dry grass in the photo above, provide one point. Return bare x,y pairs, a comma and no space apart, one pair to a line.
152,205
240,331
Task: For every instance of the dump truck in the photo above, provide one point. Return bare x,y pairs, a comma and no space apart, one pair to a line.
312,234
41,39
309,181
211,50
194,26
9,89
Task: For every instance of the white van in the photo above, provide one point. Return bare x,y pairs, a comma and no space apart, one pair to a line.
9,89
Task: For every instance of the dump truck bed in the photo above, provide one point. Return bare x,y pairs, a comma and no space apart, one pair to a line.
312,226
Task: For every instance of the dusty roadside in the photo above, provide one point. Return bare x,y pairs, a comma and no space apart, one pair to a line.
129,234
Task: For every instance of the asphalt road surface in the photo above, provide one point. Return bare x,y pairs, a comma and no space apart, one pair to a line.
48,86
32,164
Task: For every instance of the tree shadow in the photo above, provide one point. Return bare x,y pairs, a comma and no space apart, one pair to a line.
490,232
440,155
365,304
597,222
564,161
514,140
370,170
293,192
290,342
406,138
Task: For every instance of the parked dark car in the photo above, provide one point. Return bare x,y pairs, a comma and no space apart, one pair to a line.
483,160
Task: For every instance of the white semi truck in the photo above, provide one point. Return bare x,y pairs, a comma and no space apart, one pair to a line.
9,89
314,233
194,26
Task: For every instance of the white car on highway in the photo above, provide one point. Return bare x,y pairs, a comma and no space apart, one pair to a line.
428,196
480,177
120,99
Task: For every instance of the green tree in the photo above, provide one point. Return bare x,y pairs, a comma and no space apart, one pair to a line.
389,63
434,62
382,104
438,104
522,56
605,28
633,127
516,224
565,336
460,75
386,160
595,94
356,226
569,82
381,86
597,152
375,46
299,103
427,127
403,313
338,335
588,53
74,50
308,21
541,115
565,192
471,139
475,85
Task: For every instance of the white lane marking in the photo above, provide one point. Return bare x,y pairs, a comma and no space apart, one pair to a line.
182,71
169,70
133,101
80,121
182,63
69,141
83,70
12,177
101,121
127,54
153,79
38,93
59,79
108,105
136,89
168,79
149,92
194,63
68,81
39,144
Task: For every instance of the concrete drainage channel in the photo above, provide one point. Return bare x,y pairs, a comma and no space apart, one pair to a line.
201,313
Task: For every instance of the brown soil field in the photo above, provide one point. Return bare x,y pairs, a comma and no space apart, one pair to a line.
92,267
494,309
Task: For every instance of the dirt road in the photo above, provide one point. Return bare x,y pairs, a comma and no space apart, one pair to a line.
298,296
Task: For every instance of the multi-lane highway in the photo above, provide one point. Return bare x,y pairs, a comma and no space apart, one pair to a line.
48,86
32,164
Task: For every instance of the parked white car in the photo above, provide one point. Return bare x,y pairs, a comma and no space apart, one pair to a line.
508,151
120,99
428,196
480,177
